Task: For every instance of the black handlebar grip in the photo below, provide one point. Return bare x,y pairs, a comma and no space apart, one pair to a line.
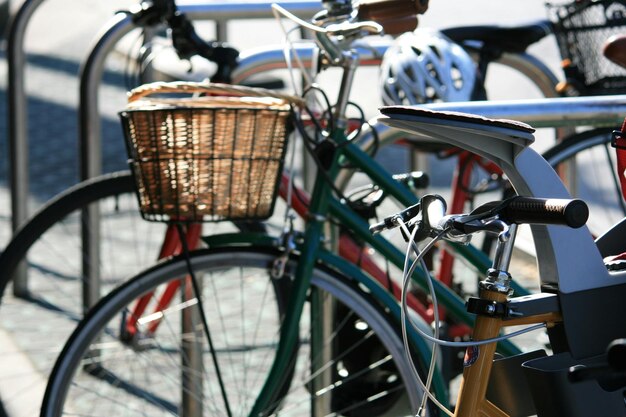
573,213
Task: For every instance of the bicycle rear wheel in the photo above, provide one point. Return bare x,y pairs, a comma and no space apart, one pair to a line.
55,227
587,164
51,243
361,366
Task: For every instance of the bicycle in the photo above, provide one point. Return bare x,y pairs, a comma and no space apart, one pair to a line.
113,194
577,339
348,296
68,203
505,142
512,141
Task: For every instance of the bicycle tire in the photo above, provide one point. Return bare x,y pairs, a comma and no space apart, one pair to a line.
354,385
56,209
595,179
50,240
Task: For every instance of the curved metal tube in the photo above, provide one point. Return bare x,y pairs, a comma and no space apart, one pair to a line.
17,116
548,112
535,70
258,60
253,9
90,78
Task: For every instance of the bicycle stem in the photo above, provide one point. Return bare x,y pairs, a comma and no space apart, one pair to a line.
504,248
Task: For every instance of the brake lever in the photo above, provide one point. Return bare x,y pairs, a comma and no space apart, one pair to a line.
348,28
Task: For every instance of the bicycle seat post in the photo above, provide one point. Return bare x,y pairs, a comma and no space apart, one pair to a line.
349,66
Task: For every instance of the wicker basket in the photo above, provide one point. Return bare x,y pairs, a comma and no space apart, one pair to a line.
581,29
215,155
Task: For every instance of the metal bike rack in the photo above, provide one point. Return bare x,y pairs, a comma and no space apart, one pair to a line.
17,125
549,112
91,74
540,113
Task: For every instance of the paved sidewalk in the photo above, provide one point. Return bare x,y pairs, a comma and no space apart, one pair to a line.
54,55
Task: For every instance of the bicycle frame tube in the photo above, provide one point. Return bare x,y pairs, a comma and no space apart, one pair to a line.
347,217
472,399
323,204
318,209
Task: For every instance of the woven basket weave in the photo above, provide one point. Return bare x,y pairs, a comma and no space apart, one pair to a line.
212,157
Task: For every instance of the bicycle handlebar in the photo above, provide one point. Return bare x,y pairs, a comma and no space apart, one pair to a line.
529,210
185,40
371,17
516,210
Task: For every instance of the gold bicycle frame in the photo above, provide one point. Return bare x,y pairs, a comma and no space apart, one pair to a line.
472,401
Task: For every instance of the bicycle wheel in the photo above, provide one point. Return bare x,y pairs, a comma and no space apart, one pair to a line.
361,367
59,211
51,243
587,163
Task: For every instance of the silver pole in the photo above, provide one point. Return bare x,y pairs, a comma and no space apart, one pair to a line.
259,9
17,116
192,342
90,150
272,57
548,112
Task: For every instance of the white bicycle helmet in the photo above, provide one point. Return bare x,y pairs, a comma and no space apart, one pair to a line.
424,67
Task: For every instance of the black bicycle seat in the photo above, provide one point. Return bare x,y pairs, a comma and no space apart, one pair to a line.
494,139
515,39
469,119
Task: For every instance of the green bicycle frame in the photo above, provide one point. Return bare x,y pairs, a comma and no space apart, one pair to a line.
321,207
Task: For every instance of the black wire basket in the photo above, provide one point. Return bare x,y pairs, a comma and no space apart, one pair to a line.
581,29
215,155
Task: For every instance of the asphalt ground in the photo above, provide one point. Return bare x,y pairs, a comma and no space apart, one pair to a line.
58,39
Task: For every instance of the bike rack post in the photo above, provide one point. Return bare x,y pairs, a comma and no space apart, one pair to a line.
548,112
540,113
17,116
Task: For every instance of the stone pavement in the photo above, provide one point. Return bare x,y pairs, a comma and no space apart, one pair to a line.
53,61
54,55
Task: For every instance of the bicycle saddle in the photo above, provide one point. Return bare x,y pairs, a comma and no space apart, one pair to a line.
494,139
515,39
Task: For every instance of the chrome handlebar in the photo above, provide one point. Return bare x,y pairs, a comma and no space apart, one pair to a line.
494,217
332,36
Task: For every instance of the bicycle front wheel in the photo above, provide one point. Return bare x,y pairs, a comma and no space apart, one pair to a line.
358,368
587,163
